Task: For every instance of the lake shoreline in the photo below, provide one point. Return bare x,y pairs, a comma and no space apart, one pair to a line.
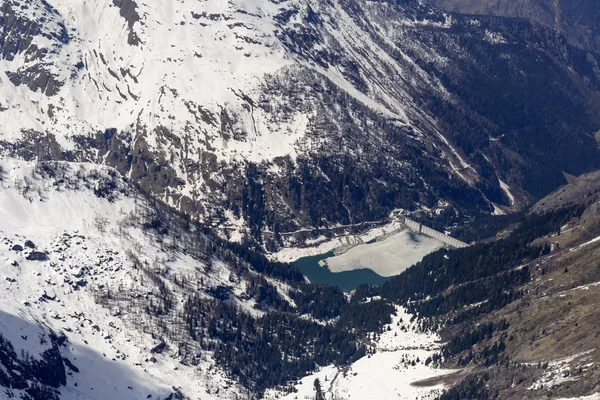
347,281
371,263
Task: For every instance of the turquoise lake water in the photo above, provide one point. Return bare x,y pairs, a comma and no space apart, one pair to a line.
347,280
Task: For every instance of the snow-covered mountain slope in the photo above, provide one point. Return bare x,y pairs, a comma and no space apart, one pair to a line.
394,372
72,236
141,67
238,112
188,67
105,294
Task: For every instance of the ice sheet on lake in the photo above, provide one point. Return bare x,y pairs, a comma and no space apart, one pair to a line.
387,257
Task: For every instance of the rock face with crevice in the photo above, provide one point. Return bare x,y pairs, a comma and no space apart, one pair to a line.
127,9
32,34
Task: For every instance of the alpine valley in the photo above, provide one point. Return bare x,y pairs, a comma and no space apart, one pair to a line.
162,162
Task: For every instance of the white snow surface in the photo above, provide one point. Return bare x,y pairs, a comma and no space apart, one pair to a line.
206,53
387,374
192,57
594,240
562,370
89,237
506,189
211,85
323,244
92,238
386,257
203,70
498,210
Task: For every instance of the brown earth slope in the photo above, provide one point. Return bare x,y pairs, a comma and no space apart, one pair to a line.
552,344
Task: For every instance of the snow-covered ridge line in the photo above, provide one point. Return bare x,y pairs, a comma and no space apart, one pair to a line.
181,97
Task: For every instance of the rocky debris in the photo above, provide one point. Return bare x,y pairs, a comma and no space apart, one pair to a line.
37,256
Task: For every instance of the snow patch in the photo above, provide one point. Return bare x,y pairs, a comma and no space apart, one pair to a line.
399,361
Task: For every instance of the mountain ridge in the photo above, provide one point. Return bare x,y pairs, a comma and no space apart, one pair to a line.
275,104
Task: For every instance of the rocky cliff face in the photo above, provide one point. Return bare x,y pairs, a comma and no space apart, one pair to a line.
577,20
269,117
36,376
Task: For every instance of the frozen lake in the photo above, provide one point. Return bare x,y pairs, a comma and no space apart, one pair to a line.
371,263
388,257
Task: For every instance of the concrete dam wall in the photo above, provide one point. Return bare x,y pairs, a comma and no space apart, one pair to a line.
425,230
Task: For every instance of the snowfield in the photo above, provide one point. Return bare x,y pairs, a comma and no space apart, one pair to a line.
202,90
168,72
88,241
323,245
387,374
183,66
559,371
